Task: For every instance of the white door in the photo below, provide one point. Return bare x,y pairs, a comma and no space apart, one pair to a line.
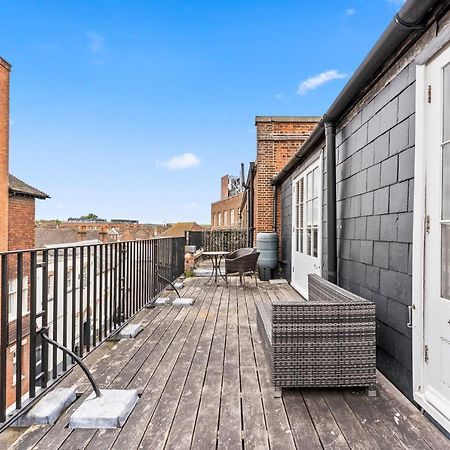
306,226
436,371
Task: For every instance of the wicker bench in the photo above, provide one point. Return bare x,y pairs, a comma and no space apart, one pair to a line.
326,341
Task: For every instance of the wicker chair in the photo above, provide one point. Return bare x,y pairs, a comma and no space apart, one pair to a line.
242,261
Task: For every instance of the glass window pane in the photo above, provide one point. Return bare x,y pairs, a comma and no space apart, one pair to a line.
446,182
301,240
445,262
297,216
308,241
316,182
315,211
446,115
301,215
309,183
301,190
297,247
315,234
309,213
297,188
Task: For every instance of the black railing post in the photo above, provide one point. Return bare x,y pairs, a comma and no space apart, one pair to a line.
3,335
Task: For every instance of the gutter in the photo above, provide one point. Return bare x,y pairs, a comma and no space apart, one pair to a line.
411,19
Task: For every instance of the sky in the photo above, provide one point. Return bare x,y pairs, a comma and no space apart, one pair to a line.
135,109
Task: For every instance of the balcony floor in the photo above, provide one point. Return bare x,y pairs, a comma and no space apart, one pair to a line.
205,384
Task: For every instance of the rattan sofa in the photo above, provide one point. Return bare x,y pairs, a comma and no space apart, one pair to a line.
326,341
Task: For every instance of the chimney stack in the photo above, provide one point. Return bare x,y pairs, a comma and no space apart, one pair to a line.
5,69
224,182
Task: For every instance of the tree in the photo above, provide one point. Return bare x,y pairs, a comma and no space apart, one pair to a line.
91,216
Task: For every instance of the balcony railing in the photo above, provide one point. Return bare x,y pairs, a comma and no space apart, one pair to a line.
82,295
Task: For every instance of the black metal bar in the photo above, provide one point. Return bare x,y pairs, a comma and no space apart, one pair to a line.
44,364
101,296
32,368
74,299
19,330
45,338
87,337
55,312
81,305
3,335
95,299
65,309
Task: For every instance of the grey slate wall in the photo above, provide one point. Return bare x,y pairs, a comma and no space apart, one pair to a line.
286,227
374,175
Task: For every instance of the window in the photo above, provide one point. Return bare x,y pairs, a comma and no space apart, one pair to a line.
220,220
14,362
12,298
299,222
225,217
214,221
231,217
312,212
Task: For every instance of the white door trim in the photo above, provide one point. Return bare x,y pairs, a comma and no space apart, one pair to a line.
418,258
319,162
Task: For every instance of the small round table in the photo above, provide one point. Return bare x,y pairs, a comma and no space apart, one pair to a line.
216,259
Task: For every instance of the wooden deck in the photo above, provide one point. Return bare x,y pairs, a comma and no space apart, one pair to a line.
205,384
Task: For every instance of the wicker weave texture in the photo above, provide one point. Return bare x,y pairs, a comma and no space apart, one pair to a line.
327,341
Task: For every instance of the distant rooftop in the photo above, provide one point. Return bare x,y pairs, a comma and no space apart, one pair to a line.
19,187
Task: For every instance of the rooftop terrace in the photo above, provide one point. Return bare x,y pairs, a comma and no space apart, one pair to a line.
205,383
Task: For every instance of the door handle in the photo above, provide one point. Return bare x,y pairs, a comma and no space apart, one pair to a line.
410,310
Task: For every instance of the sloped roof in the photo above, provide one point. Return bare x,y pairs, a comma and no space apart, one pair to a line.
19,187
178,229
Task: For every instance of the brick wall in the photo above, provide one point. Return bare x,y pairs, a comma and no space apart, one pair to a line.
4,152
228,205
278,138
21,223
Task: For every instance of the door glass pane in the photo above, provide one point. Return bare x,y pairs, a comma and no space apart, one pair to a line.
445,262
316,182
297,216
309,182
309,213
446,182
308,241
315,211
446,118
297,247
315,233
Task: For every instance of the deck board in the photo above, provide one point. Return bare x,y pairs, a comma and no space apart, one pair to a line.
205,383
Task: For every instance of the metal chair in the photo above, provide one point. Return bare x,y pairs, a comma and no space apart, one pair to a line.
242,261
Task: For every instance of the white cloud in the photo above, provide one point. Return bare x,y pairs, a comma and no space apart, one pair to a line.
315,81
180,162
96,42
350,12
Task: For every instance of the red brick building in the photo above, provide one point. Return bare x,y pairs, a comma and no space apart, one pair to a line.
277,139
225,213
17,232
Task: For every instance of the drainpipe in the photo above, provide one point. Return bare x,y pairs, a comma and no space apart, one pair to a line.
330,146
274,208
249,188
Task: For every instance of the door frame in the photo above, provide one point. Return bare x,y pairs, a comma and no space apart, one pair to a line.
318,159
419,242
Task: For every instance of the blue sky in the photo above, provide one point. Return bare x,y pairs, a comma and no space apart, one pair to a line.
134,109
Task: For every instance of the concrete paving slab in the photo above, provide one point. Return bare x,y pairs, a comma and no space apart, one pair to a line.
278,281
202,272
163,301
111,410
179,285
130,331
49,408
183,301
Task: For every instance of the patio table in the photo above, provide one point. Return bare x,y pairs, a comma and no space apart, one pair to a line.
216,259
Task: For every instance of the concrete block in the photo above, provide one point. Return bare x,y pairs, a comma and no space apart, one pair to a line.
367,204
398,257
129,331
179,285
111,410
366,253
163,301
388,117
406,102
183,302
405,227
367,156
373,177
278,281
49,408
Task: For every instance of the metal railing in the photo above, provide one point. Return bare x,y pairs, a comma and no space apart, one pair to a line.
81,295
218,240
